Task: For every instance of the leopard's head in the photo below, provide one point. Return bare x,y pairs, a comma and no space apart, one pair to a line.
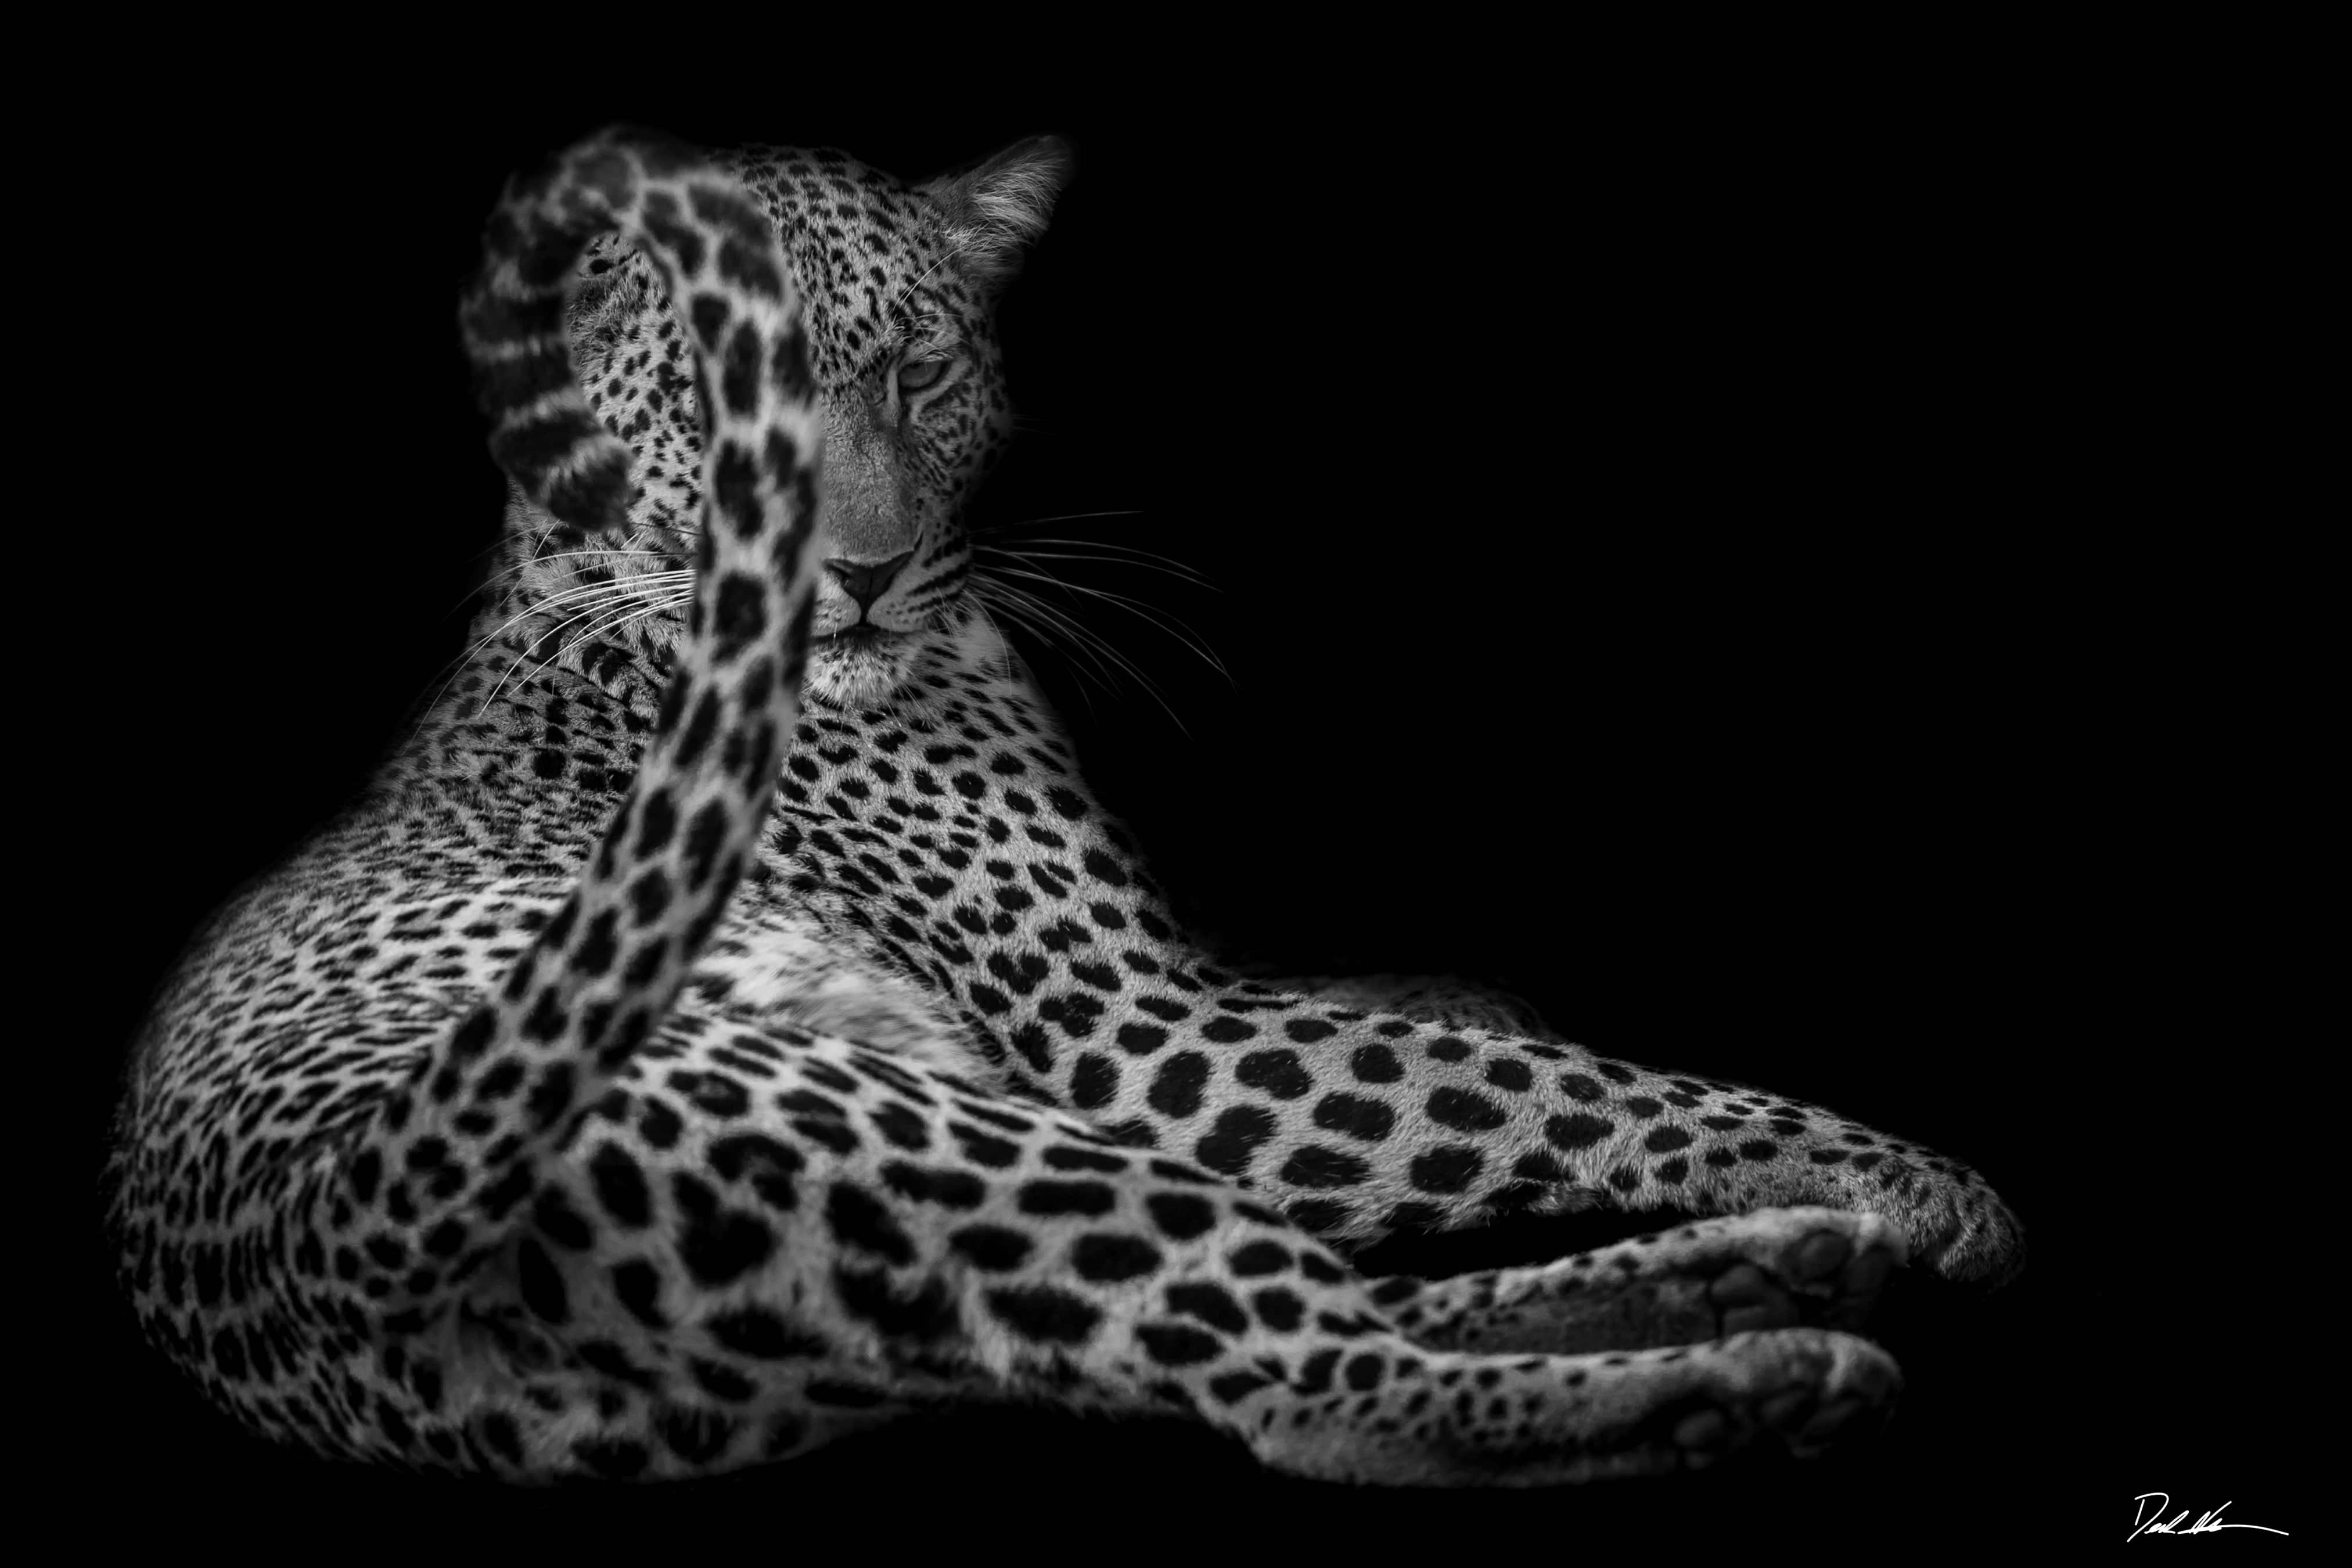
899,287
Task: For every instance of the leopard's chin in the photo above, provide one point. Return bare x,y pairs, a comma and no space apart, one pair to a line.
859,667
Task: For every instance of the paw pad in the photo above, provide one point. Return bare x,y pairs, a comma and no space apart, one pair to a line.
1741,1285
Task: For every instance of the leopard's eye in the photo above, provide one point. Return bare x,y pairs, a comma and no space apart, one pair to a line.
916,374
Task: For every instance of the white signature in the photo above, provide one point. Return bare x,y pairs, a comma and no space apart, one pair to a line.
2149,1520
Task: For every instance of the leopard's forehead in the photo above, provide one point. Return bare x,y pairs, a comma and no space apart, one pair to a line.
871,254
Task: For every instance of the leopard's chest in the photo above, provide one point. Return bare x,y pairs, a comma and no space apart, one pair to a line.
779,961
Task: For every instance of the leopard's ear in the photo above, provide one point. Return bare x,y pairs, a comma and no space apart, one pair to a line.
997,206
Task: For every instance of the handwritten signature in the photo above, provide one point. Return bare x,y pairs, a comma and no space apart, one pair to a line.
2147,1520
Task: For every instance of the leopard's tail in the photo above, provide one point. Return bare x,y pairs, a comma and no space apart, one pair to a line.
426,1194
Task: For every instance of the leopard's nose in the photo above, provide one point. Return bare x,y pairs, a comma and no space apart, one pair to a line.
866,582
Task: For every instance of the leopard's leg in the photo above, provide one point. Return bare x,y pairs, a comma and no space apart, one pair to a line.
863,1234
1772,1269
1407,1104
1363,1124
1399,1415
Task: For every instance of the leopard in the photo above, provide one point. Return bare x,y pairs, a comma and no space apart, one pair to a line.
729,1022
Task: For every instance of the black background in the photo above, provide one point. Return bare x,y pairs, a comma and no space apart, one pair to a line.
1687,541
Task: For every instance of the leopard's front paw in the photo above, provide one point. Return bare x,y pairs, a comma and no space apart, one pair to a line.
1799,1392
1440,1418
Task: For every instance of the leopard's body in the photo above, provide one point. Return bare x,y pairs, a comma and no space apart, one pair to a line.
657,1073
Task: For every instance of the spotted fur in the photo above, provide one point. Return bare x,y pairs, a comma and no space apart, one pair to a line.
730,1021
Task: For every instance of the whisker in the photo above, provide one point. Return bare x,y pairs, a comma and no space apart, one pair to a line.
598,629
519,567
457,665
1025,620
1065,517
1039,614
1007,642
1151,562
1092,644
1178,630
916,282
619,621
615,593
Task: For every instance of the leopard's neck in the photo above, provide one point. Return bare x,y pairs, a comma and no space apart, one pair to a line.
969,764
968,753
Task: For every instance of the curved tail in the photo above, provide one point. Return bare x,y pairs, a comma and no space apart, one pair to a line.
424,1196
